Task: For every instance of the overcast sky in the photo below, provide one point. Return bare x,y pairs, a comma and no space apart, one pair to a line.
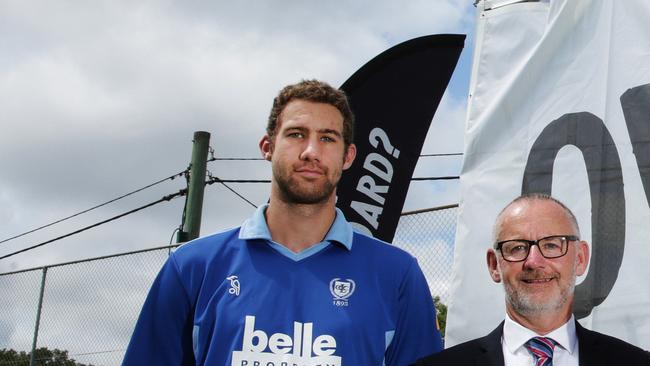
99,98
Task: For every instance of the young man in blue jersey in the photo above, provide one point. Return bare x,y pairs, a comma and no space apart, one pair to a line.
294,285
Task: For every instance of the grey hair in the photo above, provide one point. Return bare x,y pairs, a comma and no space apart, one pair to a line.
529,197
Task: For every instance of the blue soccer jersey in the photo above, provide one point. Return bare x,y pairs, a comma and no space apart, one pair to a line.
237,298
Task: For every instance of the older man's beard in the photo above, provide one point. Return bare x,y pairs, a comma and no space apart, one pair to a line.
524,304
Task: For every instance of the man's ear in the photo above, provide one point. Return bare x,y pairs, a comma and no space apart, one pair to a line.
582,257
266,147
350,154
493,265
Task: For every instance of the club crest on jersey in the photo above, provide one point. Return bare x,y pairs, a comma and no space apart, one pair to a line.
341,290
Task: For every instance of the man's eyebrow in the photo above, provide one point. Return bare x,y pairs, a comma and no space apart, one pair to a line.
296,128
330,131
303,129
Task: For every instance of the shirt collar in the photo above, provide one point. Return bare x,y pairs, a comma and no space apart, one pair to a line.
255,228
515,335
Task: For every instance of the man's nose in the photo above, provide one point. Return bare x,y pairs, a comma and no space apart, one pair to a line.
535,258
311,150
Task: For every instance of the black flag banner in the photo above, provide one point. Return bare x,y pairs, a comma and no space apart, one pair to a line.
394,97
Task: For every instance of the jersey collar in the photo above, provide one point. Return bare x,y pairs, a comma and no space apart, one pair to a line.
255,228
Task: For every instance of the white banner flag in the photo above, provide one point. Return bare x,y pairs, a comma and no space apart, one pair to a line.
560,103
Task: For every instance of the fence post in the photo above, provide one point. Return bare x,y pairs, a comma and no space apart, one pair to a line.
191,226
38,317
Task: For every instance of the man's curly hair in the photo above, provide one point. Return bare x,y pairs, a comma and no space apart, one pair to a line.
313,91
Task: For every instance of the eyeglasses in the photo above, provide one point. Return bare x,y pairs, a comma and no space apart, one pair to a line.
517,250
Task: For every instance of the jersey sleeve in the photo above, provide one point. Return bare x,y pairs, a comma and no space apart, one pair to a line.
416,331
163,333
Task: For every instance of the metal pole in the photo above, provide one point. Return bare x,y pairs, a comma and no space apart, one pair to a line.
192,224
38,317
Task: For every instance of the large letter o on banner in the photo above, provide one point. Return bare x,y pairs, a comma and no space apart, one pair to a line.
589,134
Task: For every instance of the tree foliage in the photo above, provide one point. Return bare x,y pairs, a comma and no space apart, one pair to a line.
441,314
42,357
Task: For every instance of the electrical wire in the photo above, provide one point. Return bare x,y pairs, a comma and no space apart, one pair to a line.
222,181
217,180
172,177
435,178
435,155
249,159
235,159
96,352
171,239
169,197
213,180
169,250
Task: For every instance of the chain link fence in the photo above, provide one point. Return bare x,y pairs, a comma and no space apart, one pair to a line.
87,309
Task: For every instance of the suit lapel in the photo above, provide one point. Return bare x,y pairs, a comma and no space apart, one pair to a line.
587,346
492,352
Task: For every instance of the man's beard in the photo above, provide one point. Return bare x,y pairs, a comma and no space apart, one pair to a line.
308,193
524,303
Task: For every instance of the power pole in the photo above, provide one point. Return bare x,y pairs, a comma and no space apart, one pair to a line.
191,226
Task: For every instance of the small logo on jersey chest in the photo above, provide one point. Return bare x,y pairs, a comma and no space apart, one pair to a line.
234,285
341,290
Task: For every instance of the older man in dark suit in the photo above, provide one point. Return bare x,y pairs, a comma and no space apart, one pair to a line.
537,255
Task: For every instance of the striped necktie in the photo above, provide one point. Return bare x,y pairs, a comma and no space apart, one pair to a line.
542,350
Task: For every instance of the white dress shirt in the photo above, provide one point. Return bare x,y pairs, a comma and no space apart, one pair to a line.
515,336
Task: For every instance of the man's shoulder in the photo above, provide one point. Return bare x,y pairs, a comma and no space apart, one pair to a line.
477,350
375,251
368,243
209,245
609,346
456,355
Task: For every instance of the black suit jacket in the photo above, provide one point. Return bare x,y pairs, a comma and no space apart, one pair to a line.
596,349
